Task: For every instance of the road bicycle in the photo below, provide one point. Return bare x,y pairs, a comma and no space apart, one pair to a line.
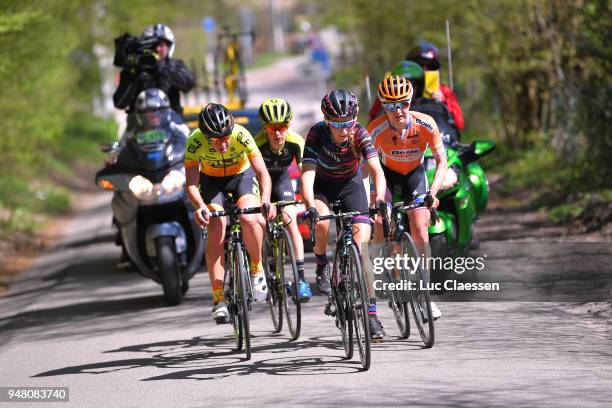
236,280
348,301
281,274
229,67
418,295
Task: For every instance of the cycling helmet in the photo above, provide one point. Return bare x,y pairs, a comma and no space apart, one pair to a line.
215,121
275,110
161,32
340,104
412,72
425,54
151,99
395,89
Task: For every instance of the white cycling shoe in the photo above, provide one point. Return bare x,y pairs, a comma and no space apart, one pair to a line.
260,288
436,313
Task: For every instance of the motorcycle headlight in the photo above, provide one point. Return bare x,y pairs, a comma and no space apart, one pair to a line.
173,182
451,179
142,188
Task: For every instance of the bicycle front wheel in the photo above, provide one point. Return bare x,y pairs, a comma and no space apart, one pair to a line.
343,312
290,278
358,301
274,300
398,302
241,297
420,302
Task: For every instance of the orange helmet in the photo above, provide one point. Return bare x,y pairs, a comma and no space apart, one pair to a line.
395,89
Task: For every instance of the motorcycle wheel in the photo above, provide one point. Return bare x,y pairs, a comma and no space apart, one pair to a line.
168,270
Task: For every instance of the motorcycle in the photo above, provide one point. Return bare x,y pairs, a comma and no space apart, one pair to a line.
151,210
463,197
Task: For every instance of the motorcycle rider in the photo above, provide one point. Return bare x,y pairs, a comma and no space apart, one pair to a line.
401,138
279,146
170,75
332,154
222,157
427,56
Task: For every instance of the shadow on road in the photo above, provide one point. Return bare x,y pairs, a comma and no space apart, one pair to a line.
208,359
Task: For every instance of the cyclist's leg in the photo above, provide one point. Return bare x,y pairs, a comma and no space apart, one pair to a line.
415,185
212,195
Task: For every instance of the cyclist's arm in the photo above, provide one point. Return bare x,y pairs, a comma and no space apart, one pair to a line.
265,182
437,147
376,171
308,177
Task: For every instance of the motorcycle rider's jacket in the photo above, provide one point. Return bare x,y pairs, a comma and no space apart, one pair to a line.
201,153
277,162
441,115
170,75
402,151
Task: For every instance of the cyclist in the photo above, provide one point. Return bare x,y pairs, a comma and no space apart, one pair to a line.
222,157
401,138
279,146
427,56
330,172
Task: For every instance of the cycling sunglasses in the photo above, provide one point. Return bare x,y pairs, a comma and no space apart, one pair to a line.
341,125
281,127
396,105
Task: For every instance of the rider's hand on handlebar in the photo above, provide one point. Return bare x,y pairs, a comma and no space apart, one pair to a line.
431,200
202,216
312,215
268,211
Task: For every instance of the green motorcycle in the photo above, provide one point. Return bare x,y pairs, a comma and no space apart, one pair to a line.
463,197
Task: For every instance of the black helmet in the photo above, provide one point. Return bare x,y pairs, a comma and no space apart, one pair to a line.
426,55
215,121
340,104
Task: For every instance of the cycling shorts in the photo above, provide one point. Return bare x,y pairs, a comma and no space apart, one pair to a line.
411,185
351,194
282,189
213,189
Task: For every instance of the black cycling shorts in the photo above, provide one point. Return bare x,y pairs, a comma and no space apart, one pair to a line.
411,185
351,193
213,189
282,189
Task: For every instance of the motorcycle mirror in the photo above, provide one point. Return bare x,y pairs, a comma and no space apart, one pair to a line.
483,147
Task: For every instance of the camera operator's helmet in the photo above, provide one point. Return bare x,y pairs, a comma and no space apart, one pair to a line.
215,121
426,55
275,111
161,32
395,89
412,72
340,104
152,108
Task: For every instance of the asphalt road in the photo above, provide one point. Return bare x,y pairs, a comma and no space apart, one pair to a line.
75,321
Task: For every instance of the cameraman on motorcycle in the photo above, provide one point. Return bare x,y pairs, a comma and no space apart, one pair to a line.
155,68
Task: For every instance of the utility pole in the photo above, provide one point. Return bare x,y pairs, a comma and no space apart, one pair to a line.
278,29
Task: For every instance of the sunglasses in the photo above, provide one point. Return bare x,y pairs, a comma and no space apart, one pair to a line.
280,127
221,139
341,125
396,105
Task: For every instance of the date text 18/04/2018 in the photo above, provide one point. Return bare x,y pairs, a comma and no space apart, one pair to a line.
450,284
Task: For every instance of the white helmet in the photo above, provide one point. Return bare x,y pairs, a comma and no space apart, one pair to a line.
161,32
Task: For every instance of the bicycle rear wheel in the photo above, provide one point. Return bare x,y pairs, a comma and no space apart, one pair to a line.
241,297
270,264
290,278
419,297
358,302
